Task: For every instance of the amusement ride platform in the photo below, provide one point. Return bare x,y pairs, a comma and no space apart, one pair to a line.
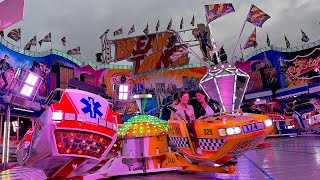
291,158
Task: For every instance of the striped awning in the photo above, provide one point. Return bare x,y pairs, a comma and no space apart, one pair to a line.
292,91
259,94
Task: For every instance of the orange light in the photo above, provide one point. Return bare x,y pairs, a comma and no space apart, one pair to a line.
59,145
72,134
68,151
91,136
80,151
101,139
115,145
106,147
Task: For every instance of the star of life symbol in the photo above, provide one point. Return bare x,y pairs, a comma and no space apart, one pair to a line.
91,107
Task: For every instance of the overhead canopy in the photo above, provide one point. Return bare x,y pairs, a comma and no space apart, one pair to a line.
258,94
292,91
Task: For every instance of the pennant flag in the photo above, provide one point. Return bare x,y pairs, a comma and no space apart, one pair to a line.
287,42
157,26
192,21
132,30
2,34
181,23
63,40
27,46
46,38
180,52
117,32
15,34
32,42
74,51
146,30
252,41
256,16
268,40
214,11
304,38
170,24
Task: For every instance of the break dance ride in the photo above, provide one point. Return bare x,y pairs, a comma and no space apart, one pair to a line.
76,136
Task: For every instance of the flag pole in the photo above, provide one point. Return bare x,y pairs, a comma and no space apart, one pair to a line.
244,24
212,39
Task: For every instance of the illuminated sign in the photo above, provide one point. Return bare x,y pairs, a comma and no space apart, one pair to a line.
149,53
302,66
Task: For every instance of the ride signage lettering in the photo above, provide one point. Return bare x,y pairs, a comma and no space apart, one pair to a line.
303,66
149,53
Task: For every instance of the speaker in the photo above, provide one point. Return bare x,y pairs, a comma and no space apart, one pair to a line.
99,57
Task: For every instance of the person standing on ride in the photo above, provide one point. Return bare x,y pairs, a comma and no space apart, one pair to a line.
203,106
184,110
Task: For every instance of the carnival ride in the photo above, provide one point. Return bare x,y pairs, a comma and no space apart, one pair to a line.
306,117
77,136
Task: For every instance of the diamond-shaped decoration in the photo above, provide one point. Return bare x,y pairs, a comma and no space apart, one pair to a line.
227,84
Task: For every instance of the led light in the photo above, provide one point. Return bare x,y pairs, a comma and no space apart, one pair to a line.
81,117
31,79
230,131
222,132
57,116
69,116
26,90
268,122
237,130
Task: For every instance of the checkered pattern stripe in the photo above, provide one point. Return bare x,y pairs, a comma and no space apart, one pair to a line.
180,142
211,144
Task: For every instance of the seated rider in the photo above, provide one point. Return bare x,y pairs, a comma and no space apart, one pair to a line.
203,106
186,112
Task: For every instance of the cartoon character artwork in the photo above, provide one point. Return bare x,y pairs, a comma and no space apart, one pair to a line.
5,71
202,34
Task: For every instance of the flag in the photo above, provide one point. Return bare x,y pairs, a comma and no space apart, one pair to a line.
74,51
268,40
146,30
214,11
32,42
2,34
63,40
27,46
287,42
46,38
180,52
170,24
117,32
192,21
132,30
15,34
256,16
252,41
157,26
304,38
181,23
